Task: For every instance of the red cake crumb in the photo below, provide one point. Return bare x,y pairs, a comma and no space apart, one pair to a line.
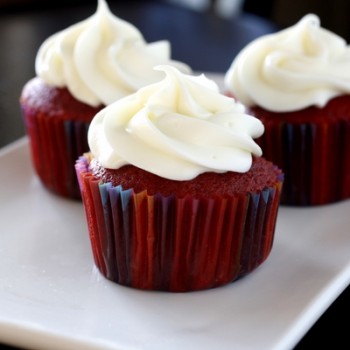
337,109
262,174
52,102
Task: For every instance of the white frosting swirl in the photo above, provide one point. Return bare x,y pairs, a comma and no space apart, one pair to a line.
101,59
300,66
176,128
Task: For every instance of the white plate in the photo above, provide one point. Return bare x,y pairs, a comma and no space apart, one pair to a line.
52,297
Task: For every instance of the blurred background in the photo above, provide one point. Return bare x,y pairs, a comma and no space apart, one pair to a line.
334,13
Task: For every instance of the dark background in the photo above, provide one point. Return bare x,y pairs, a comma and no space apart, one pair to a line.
335,14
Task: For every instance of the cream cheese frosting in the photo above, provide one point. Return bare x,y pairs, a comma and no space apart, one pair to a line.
301,66
102,58
176,128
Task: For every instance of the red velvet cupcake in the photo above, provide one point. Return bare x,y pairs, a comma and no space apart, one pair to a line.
79,71
312,146
57,125
177,197
296,83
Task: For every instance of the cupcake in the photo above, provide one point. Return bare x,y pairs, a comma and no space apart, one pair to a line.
297,82
176,193
79,71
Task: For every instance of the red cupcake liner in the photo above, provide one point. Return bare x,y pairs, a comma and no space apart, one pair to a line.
315,158
55,145
173,244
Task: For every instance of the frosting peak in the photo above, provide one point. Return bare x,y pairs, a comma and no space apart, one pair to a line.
101,59
298,67
176,128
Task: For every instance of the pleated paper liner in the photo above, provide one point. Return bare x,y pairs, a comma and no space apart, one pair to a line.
55,146
173,244
315,158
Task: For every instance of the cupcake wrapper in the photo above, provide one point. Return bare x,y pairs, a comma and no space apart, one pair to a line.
176,244
314,157
55,146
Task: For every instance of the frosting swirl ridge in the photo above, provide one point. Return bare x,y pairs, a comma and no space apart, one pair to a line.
101,58
298,67
176,128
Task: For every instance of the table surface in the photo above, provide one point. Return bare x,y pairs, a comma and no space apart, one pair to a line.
216,40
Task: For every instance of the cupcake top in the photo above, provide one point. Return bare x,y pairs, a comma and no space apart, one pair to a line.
176,128
101,59
301,66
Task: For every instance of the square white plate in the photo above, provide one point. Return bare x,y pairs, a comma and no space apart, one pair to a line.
52,296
